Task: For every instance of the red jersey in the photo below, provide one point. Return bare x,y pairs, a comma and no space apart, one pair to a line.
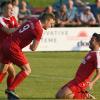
26,33
88,66
7,22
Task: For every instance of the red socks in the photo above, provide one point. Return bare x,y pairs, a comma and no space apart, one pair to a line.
18,79
2,75
10,79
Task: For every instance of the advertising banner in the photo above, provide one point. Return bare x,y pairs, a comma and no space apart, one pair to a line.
66,39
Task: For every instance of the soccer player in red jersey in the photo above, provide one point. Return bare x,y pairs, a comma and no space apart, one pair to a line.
76,88
30,31
8,24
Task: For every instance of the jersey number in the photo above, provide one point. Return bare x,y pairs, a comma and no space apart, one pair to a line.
27,26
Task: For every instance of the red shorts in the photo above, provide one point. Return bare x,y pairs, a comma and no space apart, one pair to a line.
79,90
13,53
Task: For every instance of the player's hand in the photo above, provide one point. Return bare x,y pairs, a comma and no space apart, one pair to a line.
91,85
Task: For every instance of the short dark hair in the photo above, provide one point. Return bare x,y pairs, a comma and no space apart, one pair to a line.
46,16
13,1
97,36
3,4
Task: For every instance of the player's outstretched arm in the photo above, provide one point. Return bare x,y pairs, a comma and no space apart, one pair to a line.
34,45
95,79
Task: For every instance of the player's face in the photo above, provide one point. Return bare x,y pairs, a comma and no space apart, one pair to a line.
49,23
92,43
9,10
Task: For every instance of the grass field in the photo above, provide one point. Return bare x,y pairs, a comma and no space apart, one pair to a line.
50,70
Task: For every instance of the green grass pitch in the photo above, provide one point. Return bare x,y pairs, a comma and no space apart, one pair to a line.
50,70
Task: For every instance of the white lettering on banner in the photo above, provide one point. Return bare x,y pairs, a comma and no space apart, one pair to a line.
66,39
48,40
56,32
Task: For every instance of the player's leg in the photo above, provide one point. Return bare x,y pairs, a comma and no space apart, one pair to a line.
20,60
25,71
3,65
16,56
11,74
3,71
65,93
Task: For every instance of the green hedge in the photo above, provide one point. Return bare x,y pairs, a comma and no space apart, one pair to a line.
44,3
40,3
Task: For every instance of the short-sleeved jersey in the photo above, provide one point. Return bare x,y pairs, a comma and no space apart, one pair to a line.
26,33
89,64
7,22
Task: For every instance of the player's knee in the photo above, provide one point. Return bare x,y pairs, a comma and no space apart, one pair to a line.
11,74
59,94
64,94
27,69
11,71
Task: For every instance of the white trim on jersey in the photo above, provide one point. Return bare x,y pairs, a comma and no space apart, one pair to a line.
98,59
2,22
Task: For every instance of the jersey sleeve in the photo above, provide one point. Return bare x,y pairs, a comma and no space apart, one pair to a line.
2,23
98,59
38,30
